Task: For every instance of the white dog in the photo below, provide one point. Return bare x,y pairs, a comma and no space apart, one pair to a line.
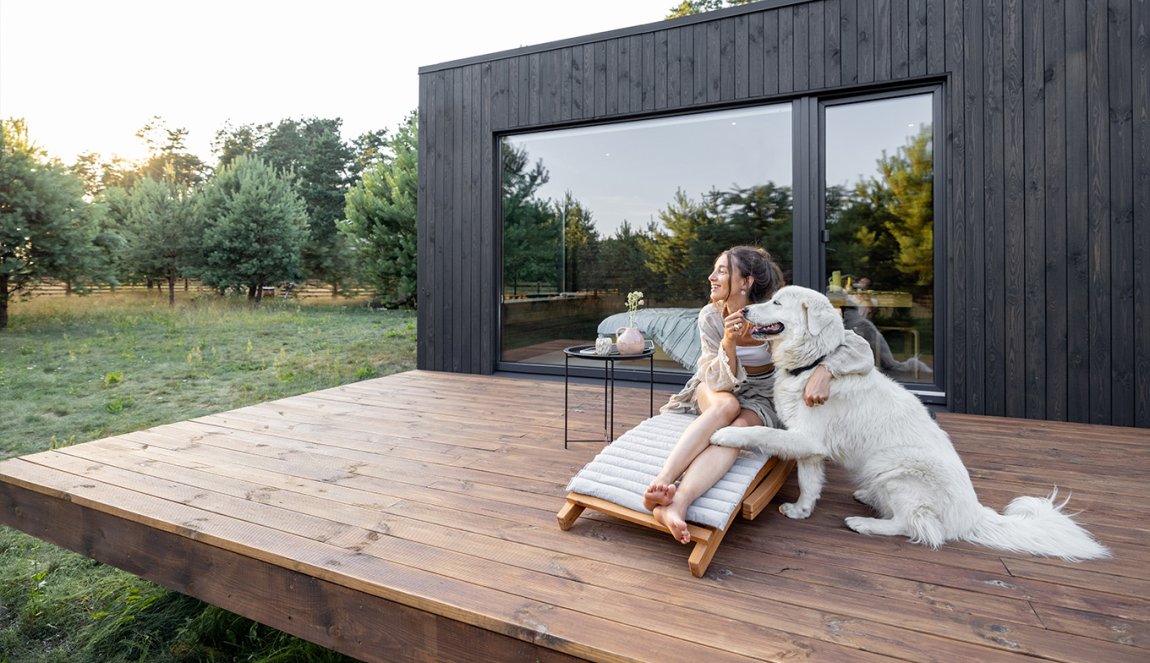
903,465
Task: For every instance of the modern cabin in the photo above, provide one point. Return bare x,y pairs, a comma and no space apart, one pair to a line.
969,181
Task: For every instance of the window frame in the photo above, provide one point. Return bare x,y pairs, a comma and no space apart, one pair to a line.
808,113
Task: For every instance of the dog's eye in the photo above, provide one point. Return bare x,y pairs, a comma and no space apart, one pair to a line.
776,302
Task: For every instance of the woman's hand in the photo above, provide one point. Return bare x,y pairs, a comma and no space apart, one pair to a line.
818,387
735,326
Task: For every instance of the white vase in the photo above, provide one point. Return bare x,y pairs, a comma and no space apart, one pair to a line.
629,341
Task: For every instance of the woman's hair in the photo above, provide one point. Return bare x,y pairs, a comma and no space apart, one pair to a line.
755,262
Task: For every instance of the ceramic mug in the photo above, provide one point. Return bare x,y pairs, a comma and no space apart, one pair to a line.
603,345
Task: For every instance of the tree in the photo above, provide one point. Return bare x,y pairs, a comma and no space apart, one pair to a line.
580,253
531,231
909,176
315,154
683,253
692,7
46,228
231,142
170,158
255,227
382,215
164,238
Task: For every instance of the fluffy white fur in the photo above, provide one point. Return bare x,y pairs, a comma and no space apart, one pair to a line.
903,465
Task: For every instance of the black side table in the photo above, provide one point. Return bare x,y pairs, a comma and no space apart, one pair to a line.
588,352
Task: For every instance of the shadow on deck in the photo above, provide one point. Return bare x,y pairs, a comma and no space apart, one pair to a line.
412,517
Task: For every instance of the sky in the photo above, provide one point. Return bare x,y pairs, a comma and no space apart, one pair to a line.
87,75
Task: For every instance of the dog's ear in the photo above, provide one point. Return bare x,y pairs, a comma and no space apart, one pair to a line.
818,314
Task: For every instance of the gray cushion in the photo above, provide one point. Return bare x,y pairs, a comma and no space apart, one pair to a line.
624,469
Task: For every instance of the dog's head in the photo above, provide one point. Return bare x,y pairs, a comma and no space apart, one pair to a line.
803,324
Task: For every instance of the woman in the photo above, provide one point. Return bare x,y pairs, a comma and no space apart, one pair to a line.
733,384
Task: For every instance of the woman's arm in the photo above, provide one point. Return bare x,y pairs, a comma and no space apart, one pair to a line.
717,365
854,356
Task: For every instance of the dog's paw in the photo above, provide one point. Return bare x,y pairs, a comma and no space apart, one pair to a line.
792,510
732,436
864,497
860,524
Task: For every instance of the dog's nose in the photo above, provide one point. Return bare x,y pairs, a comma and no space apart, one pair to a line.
746,310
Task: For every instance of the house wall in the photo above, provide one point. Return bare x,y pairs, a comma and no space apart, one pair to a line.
1046,178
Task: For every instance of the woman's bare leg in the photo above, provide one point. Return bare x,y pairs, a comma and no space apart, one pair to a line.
716,410
704,471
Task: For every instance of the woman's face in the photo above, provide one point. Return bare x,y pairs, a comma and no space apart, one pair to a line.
720,279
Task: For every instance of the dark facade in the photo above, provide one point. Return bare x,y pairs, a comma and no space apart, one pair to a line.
1044,225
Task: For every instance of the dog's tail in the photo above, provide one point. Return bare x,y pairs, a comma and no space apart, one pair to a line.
1037,526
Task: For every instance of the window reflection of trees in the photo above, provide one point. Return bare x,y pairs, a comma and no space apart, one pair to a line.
669,260
556,254
883,227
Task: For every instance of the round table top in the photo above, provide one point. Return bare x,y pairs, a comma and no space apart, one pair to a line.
588,352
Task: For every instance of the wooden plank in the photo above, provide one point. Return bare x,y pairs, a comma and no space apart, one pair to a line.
741,57
971,270
687,65
1055,251
993,211
701,64
600,50
566,84
866,41
883,41
716,66
728,59
1015,221
787,56
1121,195
674,68
833,44
939,52
611,80
638,81
1098,212
771,54
816,49
900,38
1140,72
659,69
801,47
849,38
756,52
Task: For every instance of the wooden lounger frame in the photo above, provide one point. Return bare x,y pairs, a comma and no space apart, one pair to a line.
760,491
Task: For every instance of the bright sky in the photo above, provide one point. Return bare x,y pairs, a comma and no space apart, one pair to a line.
87,75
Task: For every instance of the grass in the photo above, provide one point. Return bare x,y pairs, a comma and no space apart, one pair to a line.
77,369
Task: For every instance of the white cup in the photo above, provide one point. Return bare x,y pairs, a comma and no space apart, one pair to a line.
603,345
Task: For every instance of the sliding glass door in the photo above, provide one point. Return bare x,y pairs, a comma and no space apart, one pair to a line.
878,209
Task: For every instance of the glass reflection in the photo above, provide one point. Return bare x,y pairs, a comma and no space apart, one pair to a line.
590,214
880,218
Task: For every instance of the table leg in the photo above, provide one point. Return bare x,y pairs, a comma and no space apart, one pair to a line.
651,385
566,362
611,431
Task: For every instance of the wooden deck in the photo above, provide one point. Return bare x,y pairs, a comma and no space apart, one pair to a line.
412,517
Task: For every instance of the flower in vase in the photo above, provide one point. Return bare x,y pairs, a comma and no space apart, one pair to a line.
634,301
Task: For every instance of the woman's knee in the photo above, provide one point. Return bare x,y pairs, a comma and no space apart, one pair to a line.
726,406
747,418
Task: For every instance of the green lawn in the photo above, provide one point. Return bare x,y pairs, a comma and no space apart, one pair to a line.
76,369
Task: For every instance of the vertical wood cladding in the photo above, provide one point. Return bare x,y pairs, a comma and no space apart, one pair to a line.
1045,226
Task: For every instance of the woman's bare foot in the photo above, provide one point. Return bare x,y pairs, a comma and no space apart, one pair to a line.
670,518
658,494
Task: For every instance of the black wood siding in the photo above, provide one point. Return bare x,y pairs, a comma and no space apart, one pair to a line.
1046,223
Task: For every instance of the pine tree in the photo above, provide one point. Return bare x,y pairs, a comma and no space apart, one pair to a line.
255,227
